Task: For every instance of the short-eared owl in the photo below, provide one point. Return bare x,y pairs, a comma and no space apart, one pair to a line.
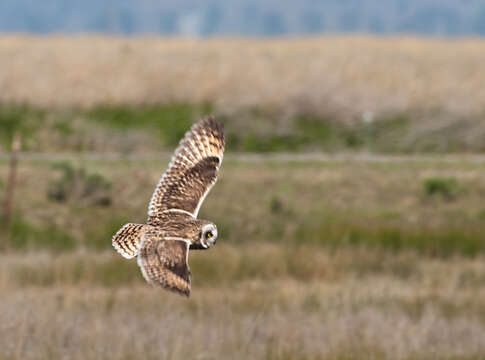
162,244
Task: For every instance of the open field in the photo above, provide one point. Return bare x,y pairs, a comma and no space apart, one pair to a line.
371,251
357,305
149,129
383,94
337,257
433,206
321,257
352,74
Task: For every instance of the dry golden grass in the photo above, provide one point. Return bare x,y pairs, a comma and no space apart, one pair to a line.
353,311
274,287
349,75
258,294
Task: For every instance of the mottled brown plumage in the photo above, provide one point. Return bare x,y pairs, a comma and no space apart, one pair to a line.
172,228
191,172
163,261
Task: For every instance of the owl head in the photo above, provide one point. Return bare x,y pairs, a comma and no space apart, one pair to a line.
208,235
204,234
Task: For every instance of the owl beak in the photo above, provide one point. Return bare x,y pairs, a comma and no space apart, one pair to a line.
211,242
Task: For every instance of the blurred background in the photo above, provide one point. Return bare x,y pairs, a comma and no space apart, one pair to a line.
350,202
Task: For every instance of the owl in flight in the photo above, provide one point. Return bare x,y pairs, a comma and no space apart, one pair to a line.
162,244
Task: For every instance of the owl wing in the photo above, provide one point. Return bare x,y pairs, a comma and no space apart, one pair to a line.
164,262
191,173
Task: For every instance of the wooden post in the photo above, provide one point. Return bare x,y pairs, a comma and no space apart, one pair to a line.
11,182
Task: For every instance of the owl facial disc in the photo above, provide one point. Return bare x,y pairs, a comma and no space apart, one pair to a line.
208,235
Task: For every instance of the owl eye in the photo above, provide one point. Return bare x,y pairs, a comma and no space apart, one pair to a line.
209,234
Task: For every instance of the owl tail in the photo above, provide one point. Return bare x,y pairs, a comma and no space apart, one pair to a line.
128,239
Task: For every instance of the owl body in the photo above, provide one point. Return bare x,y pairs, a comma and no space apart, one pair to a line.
177,224
162,244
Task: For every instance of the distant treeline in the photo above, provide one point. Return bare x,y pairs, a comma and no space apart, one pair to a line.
242,17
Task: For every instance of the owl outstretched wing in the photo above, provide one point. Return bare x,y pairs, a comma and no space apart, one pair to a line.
164,262
191,173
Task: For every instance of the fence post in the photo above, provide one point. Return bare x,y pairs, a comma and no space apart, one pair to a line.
10,187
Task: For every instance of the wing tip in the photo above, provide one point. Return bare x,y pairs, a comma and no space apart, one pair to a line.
185,292
182,292
209,122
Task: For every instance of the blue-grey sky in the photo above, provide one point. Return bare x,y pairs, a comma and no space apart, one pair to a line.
244,17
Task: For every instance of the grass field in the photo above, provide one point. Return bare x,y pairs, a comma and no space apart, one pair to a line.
350,204
430,205
340,73
361,305
148,129
388,94
346,257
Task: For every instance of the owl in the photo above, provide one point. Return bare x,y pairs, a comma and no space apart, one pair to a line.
172,228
